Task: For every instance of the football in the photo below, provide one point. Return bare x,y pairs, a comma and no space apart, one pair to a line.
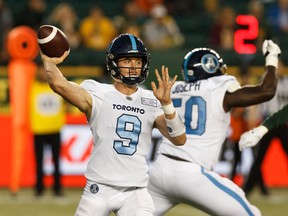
52,41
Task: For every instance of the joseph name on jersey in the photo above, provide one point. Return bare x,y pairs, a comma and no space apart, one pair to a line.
123,139
185,87
205,119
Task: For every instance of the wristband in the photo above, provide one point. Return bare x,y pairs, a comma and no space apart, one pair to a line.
175,126
168,109
272,61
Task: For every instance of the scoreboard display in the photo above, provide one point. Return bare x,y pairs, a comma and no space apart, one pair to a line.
244,36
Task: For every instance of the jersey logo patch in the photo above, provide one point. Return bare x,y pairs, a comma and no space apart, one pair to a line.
94,188
149,102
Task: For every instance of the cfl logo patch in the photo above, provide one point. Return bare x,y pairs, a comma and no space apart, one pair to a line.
94,188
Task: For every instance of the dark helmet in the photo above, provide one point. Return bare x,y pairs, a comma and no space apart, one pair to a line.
127,45
202,63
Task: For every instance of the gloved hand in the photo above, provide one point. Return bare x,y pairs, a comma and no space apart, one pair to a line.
252,137
272,52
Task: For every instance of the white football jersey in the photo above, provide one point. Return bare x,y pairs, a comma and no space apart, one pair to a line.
122,128
200,105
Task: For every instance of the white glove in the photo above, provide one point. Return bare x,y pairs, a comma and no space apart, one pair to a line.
252,137
271,51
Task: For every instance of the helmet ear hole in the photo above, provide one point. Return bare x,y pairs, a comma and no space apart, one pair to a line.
190,72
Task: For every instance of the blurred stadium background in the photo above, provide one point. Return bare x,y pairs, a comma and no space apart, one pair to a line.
85,63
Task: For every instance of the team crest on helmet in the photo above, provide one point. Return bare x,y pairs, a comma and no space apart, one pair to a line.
210,63
94,188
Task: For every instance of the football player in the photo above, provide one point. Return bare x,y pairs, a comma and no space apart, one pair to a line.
204,101
121,117
252,137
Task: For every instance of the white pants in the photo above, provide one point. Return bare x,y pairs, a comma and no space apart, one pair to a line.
101,200
173,182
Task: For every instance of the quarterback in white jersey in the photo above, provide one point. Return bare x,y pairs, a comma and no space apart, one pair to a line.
134,117
204,100
121,117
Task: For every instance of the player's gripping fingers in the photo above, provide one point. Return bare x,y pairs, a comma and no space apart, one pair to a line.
62,58
54,60
44,57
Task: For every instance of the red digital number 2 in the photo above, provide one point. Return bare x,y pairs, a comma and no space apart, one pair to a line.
251,33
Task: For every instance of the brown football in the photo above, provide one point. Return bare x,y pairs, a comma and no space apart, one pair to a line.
52,41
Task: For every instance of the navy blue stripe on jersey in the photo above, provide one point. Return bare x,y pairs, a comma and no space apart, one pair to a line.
133,42
228,191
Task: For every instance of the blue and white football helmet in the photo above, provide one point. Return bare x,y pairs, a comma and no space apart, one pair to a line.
202,63
127,45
